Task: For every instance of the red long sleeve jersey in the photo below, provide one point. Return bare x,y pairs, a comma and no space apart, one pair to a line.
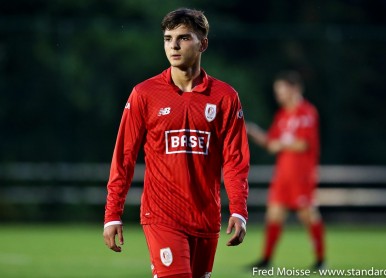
301,123
189,138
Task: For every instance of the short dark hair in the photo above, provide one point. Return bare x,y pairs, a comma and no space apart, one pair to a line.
193,19
290,76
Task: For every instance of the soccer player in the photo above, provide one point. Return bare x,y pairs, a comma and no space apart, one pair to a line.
294,138
192,129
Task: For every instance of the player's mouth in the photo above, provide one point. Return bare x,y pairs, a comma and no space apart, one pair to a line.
175,56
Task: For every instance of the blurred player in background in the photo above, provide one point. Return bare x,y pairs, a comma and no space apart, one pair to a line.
192,128
294,138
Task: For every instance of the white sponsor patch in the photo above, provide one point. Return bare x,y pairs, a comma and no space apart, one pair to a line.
166,256
187,141
210,112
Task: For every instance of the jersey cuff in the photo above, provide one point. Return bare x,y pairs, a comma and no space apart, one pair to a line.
240,217
112,223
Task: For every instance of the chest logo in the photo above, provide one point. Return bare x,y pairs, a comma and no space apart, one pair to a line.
166,256
187,141
164,111
210,112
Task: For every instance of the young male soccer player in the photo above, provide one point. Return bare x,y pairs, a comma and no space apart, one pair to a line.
192,127
294,138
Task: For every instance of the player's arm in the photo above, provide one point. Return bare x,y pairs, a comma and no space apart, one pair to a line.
257,134
296,145
235,171
126,149
278,141
300,140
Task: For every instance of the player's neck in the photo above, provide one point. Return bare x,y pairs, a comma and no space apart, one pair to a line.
293,103
186,79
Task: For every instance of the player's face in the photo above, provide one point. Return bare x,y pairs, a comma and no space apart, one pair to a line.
284,92
182,46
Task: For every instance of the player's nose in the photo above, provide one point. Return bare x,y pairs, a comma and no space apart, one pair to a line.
174,44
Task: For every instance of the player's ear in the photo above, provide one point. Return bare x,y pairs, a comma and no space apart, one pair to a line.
204,44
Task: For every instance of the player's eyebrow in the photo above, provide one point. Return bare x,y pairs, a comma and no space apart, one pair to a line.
179,36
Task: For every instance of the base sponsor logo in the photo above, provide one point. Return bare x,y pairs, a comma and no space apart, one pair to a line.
187,141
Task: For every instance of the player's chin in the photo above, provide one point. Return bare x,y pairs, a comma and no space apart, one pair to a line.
182,64
175,62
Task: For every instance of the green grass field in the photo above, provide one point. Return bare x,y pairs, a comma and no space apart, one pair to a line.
78,251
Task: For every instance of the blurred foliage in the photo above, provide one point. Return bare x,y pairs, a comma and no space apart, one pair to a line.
67,68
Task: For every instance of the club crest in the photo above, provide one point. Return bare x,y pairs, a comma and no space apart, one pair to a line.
166,256
210,112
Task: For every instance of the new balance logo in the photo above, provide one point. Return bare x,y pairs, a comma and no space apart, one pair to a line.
164,111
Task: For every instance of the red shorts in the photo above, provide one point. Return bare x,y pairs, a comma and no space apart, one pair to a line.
174,252
292,193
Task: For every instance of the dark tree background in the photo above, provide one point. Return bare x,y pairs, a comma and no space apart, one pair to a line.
68,66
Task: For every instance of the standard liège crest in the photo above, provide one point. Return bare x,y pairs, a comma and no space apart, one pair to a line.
166,256
210,112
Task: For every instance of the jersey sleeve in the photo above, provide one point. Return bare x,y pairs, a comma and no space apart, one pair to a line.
308,127
129,138
236,160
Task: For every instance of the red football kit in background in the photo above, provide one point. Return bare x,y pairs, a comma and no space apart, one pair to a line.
189,139
295,175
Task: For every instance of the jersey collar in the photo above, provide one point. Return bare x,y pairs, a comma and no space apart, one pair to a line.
200,88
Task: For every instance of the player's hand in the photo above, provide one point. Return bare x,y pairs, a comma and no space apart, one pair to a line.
275,146
240,231
109,234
